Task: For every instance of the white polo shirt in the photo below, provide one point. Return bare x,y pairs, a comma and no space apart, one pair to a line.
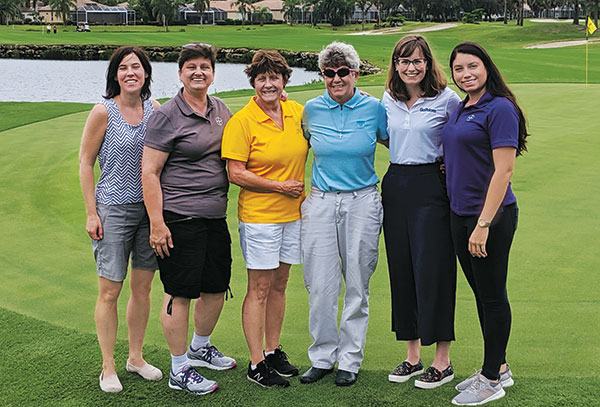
415,133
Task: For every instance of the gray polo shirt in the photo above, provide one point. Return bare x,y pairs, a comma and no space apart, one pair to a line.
193,180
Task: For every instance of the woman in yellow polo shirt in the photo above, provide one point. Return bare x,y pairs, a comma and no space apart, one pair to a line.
266,154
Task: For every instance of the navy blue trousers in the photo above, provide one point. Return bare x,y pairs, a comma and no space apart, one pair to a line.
487,278
421,259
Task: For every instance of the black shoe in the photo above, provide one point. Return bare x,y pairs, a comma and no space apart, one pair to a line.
280,364
264,376
314,374
345,378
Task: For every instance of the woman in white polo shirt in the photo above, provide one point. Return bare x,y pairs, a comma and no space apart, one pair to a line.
421,260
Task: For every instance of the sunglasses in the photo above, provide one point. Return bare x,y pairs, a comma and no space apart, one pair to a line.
196,45
341,72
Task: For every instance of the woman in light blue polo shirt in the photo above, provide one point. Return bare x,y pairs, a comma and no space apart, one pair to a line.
481,141
416,224
341,218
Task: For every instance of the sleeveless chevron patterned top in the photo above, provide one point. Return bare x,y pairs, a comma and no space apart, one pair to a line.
120,157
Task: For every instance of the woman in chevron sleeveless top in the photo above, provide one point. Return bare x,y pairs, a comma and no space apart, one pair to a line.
116,218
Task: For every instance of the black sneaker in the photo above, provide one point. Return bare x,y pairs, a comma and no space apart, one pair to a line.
280,364
405,371
265,376
433,378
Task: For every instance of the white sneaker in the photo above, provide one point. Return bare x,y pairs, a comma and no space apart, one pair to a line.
505,378
189,380
210,357
480,391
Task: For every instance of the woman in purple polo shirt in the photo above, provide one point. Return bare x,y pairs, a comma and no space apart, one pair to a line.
481,141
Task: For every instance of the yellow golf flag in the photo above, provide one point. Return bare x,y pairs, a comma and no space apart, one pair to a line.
591,27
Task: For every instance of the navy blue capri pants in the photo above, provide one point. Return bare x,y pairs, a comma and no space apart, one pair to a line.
420,253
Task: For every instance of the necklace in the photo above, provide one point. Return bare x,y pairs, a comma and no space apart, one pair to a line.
340,131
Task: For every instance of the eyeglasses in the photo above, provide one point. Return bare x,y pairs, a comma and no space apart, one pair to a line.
341,72
196,45
405,63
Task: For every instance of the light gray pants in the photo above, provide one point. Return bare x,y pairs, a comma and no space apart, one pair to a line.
340,238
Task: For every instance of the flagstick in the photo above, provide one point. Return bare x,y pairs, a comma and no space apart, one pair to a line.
586,51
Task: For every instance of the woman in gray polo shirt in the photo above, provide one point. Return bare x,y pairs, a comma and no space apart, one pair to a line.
116,218
185,191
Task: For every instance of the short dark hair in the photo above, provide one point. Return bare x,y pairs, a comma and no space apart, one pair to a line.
495,84
112,85
197,50
268,61
434,81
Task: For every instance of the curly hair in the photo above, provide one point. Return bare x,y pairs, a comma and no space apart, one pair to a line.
339,54
268,61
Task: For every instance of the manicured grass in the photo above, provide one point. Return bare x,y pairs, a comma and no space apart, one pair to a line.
16,114
48,274
45,365
504,42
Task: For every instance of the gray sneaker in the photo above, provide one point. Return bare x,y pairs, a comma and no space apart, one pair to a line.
210,357
480,391
191,381
505,378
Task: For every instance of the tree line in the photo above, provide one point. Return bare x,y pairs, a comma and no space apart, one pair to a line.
335,12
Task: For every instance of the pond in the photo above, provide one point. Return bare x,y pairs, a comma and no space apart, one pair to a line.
27,80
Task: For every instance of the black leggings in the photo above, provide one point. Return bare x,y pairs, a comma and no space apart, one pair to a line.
487,278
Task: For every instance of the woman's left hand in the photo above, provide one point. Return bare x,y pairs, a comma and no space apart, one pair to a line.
477,241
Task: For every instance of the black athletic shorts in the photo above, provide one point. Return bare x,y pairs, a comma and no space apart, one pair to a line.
200,261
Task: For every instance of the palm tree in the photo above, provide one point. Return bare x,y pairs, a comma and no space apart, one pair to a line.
201,6
165,10
9,9
363,5
262,13
63,8
244,7
288,8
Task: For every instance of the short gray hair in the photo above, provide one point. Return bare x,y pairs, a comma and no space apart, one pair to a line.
339,54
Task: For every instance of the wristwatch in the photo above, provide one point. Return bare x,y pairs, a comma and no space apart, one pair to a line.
482,223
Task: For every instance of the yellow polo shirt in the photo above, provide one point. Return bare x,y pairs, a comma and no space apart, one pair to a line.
277,154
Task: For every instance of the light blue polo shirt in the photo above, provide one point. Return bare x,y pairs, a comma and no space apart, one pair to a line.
343,139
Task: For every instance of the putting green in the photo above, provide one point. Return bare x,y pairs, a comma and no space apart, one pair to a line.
48,270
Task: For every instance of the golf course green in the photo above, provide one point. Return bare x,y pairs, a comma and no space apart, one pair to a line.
48,350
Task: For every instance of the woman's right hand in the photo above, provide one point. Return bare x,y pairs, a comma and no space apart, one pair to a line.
292,188
160,240
93,226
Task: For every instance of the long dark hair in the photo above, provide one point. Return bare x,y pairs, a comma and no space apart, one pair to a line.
434,81
495,84
112,85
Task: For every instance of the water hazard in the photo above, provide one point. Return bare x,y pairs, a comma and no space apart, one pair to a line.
27,80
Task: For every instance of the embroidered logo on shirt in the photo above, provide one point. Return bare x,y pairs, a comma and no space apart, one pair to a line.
219,121
470,117
427,109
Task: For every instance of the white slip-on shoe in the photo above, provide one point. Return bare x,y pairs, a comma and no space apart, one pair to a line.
147,371
110,384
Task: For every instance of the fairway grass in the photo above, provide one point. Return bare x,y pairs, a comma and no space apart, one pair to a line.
49,280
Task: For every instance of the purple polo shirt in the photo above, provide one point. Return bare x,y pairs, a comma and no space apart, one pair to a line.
468,138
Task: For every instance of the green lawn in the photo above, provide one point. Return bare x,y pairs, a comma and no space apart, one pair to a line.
49,281
504,42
